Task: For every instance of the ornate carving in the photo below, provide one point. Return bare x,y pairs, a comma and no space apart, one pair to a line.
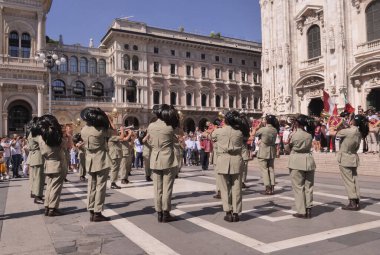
266,61
331,39
287,54
310,17
356,4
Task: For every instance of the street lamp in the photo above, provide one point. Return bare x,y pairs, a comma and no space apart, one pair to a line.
50,59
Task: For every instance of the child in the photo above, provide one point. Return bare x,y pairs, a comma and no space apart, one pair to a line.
74,158
3,170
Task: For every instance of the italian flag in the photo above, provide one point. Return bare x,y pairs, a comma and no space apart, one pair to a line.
329,104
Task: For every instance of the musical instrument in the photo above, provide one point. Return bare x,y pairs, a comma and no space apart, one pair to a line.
335,124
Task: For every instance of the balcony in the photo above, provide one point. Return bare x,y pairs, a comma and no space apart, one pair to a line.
189,78
157,76
219,81
368,48
205,80
174,76
231,82
78,100
312,64
24,63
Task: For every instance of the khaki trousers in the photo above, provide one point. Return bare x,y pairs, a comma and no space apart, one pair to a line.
82,164
148,171
163,181
97,184
302,183
372,142
126,167
54,184
115,167
230,190
350,180
38,180
217,188
245,171
267,171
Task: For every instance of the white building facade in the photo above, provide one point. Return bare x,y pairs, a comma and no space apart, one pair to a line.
135,67
314,45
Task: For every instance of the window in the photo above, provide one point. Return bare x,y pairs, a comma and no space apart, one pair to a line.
127,62
156,97
230,60
25,45
156,67
126,46
92,66
217,73
135,47
172,52
188,54
244,101
314,42
217,101
217,58
58,88
373,21
203,71
13,44
97,89
189,98
131,91
204,100
102,67
173,69
173,98
73,64
155,50
188,70
83,65
243,62
231,101
255,78
203,56
243,77
231,75
254,63
63,66
135,63
256,103
79,89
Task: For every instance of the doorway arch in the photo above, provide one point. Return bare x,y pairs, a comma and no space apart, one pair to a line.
315,107
132,121
19,114
373,99
189,125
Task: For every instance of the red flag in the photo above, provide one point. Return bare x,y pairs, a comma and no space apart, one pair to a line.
329,105
348,107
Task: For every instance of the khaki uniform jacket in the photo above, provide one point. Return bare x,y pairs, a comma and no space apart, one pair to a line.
229,150
114,147
163,142
35,157
95,142
300,156
55,158
347,155
147,149
244,152
267,147
126,149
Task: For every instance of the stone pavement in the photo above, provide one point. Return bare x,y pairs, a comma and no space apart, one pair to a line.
266,226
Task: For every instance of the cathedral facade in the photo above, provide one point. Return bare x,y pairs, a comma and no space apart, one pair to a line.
135,67
311,46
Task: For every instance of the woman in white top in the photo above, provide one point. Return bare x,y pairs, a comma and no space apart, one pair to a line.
139,152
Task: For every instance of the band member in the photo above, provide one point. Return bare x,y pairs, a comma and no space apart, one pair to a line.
217,126
301,165
147,149
267,151
116,153
52,150
348,158
127,153
163,161
36,163
78,142
95,135
230,141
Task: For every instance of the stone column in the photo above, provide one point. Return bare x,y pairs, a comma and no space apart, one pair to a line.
2,50
39,31
1,109
40,100
5,121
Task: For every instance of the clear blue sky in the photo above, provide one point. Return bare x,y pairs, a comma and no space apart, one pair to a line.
79,20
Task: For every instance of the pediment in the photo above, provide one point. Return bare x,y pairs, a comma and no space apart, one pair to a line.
309,10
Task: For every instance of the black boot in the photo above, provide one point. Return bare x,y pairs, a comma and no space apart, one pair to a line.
299,215
32,195
46,211
217,195
228,217
308,213
235,217
82,179
91,215
268,191
352,206
148,179
159,216
114,186
124,181
167,217
243,186
272,190
38,200
54,212
98,217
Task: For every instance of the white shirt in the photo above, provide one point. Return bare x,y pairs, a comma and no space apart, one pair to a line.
190,144
138,146
7,151
16,148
